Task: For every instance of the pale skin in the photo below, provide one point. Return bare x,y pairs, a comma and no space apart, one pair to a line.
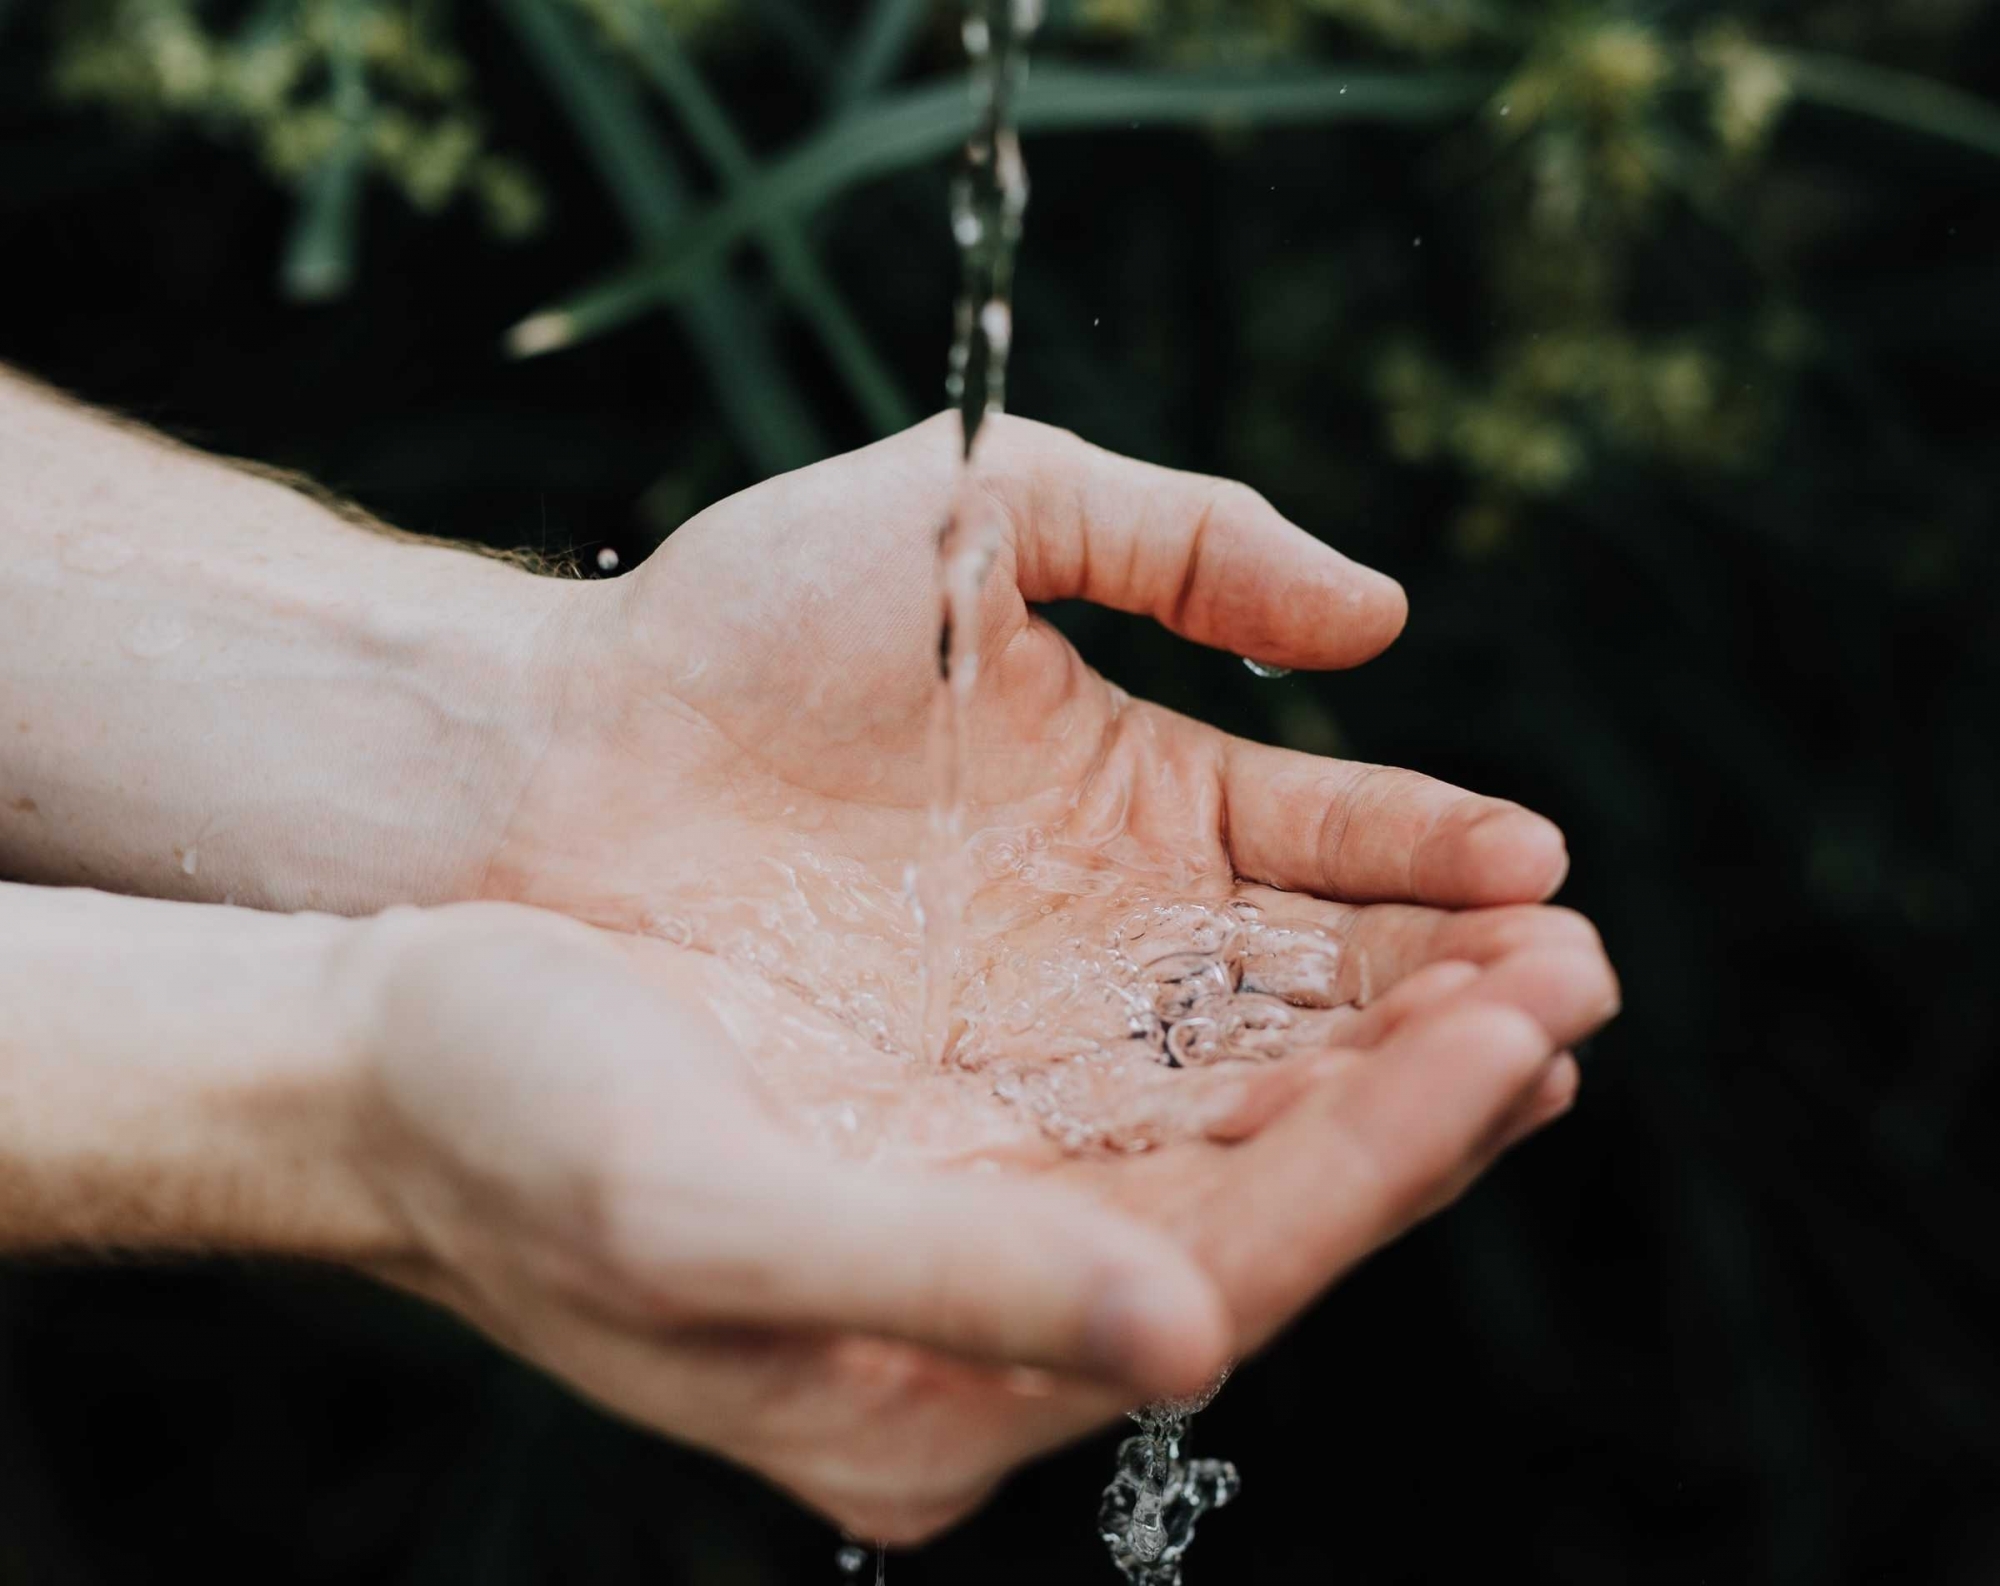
526,1100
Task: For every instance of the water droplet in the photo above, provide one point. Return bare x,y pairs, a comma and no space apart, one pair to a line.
607,560
977,38
1506,110
1416,242
851,1560
996,324
1264,669
1343,88
190,860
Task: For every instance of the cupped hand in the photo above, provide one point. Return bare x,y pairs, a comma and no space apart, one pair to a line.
582,1167
737,781
763,685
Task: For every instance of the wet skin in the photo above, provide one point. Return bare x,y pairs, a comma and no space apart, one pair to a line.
750,708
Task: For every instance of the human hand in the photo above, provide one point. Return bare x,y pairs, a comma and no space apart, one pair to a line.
740,762
739,774
578,1162
412,724
770,672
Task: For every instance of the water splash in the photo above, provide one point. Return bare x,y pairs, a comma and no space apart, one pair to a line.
1156,1497
852,1559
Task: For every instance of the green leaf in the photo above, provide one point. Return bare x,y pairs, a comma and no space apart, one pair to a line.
885,38
319,256
1903,99
907,129
759,399
793,261
801,33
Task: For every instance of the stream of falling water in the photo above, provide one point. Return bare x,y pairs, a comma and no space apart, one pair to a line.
989,195
1148,1512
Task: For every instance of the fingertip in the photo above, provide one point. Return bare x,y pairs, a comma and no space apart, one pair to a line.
1367,612
1506,1042
1160,1328
1511,855
1385,602
1569,991
1559,1089
1551,1100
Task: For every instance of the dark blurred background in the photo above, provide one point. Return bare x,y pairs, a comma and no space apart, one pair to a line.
1656,347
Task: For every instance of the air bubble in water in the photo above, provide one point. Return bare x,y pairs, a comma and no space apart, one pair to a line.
607,560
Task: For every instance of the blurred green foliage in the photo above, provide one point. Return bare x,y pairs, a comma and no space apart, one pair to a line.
1593,135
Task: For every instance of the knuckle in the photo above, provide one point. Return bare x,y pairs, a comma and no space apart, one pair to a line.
1232,498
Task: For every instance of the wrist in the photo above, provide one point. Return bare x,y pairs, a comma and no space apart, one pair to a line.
181,1080
469,661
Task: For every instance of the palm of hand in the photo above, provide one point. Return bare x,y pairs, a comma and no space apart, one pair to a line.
742,783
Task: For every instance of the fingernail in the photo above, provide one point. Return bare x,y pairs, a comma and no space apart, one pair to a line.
1525,852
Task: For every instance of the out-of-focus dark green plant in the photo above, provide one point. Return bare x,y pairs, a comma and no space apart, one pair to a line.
323,90
1584,137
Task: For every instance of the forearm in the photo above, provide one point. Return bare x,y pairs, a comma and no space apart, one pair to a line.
212,687
175,1078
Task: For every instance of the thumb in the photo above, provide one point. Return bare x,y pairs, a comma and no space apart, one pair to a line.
1209,558
996,1268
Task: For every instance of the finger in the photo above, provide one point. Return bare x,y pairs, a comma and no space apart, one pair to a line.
1385,943
993,1268
1209,558
1547,1102
1368,832
1358,1028
1248,1103
1569,992
1349,1169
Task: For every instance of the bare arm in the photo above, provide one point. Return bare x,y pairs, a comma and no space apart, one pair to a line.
177,1079
532,1124
542,1128
212,686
